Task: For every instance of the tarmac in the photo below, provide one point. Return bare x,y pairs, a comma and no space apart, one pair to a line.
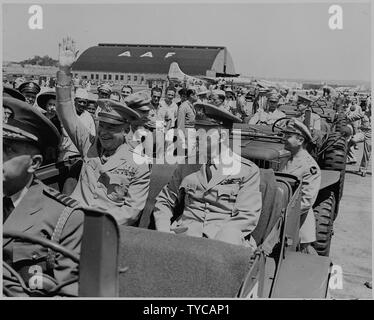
351,245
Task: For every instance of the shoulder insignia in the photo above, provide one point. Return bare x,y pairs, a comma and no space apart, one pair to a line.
60,197
313,170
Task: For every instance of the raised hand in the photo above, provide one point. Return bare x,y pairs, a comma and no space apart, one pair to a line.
67,53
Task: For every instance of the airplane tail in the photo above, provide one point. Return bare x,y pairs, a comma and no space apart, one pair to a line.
176,74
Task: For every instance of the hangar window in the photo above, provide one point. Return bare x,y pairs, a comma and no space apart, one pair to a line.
135,78
104,76
109,77
141,79
92,76
97,76
121,77
116,77
129,77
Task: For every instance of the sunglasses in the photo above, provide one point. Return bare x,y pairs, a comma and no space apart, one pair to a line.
82,102
126,92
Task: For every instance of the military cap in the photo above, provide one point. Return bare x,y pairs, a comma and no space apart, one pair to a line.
138,101
81,94
297,127
30,125
304,99
210,115
43,98
115,112
104,88
92,97
30,87
220,93
274,97
201,93
263,90
10,92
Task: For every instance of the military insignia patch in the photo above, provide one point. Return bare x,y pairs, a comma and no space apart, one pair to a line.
313,170
231,181
107,107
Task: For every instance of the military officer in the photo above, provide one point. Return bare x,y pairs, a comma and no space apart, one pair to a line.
270,114
113,177
302,105
302,165
220,198
32,208
30,90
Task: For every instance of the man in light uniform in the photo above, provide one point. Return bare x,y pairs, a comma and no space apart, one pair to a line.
113,177
302,165
222,199
302,105
270,114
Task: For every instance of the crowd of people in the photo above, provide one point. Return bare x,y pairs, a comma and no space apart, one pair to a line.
105,129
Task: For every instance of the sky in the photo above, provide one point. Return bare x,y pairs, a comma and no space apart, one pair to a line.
283,40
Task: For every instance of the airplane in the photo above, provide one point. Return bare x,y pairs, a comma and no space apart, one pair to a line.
176,74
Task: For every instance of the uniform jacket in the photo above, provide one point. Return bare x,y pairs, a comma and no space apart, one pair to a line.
303,166
119,186
186,115
267,117
226,200
37,214
67,148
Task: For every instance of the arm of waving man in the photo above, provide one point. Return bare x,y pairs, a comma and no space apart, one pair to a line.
76,130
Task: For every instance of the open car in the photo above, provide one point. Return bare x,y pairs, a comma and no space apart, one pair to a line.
123,261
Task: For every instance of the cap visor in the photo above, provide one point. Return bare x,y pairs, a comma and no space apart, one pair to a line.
109,120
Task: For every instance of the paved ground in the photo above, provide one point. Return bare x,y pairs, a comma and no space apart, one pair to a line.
351,246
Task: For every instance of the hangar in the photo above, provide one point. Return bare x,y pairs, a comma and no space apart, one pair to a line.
142,65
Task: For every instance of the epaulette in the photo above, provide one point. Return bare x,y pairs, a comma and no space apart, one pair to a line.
60,197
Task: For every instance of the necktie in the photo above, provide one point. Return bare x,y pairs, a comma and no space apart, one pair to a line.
208,171
8,207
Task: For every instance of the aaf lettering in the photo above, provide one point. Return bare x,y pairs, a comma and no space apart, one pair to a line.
148,54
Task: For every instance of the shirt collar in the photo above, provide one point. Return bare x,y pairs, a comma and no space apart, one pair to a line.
16,198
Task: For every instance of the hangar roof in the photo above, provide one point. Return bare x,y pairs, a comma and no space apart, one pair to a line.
132,58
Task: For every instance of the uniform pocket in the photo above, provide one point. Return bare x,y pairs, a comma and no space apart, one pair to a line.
26,251
29,259
227,192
